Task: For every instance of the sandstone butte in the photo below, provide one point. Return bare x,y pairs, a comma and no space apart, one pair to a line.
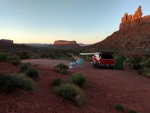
64,42
134,20
133,34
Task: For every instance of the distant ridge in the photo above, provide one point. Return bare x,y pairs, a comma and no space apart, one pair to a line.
38,45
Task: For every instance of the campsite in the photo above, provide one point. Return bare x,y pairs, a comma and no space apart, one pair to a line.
105,88
74,56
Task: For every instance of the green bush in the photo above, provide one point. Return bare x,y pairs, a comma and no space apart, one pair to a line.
132,111
145,62
15,60
78,79
133,60
32,73
119,107
14,57
57,81
24,67
23,55
70,92
3,56
59,67
137,66
11,82
64,71
144,72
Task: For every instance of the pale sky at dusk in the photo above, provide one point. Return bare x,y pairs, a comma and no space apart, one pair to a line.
44,21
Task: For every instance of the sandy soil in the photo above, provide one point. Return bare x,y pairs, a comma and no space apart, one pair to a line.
105,88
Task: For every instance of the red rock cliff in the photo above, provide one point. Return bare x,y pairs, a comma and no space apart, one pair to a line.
134,20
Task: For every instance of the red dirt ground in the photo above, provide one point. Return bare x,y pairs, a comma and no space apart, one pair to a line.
105,88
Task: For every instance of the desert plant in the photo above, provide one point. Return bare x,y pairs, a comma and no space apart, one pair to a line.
32,73
64,71
133,60
144,72
70,92
57,81
25,82
24,67
145,62
78,79
119,107
13,57
15,60
132,111
23,55
137,66
59,67
11,82
3,56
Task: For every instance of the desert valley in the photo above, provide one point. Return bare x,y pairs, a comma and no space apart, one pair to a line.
38,79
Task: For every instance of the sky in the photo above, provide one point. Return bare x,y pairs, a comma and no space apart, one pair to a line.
44,21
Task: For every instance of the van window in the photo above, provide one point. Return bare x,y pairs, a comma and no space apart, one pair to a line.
107,56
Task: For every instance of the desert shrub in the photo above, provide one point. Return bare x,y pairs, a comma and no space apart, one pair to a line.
25,82
11,82
23,55
78,79
137,66
32,73
57,81
64,71
24,67
43,56
59,67
144,72
13,57
70,92
15,60
3,56
119,107
134,60
132,111
145,61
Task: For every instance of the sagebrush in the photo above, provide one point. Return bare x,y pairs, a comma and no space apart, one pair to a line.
78,79
32,73
57,81
11,82
62,68
70,92
3,56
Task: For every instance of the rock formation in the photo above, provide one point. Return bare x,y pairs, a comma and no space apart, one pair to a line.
133,35
64,42
133,20
4,41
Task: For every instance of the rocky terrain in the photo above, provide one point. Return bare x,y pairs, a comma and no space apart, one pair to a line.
134,34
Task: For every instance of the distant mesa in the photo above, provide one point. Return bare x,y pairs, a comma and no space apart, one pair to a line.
134,20
4,41
64,42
